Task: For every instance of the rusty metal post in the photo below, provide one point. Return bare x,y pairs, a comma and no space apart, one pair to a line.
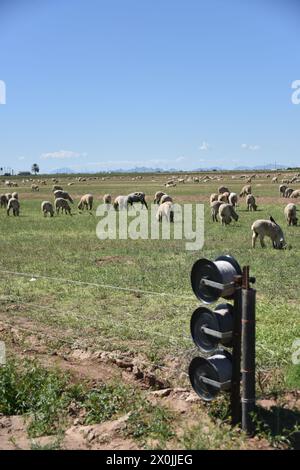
235,397
248,353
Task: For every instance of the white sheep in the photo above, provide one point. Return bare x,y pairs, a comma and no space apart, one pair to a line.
250,202
227,213
56,187
246,190
295,194
120,202
288,192
233,199
61,203
214,208
290,213
47,208
107,199
282,189
34,187
86,202
268,228
213,197
14,205
15,195
166,210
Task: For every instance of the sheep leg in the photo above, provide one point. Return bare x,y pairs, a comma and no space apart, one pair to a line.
261,238
254,238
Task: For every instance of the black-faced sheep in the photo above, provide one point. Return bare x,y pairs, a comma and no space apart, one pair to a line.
223,189
165,198
63,195
157,197
268,228
224,197
137,197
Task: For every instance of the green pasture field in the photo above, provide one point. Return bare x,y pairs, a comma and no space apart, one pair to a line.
156,326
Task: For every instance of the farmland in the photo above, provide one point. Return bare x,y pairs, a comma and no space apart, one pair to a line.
119,310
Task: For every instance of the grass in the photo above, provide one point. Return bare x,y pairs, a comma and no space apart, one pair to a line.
151,325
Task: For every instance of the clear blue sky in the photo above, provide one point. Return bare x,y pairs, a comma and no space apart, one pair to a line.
103,84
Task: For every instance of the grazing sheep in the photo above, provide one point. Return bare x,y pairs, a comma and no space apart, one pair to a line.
15,195
282,189
137,197
56,187
223,189
86,202
290,213
250,201
275,179
166,210
224,197
107,199
227,213
268,228
61,203
63,195
34,187
214,206
14,205
47,208
233,199
8,196
288,192
120,202
165,198
246,190
3,200
295,193
213,197
157,197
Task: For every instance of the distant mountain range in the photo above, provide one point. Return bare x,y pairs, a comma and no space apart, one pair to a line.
143,169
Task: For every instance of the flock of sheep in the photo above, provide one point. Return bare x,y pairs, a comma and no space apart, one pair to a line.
223,204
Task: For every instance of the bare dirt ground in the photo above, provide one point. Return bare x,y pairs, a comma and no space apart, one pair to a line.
99,367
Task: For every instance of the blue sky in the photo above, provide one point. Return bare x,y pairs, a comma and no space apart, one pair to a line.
104,84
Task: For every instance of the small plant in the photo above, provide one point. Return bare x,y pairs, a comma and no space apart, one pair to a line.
103,403
150,422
